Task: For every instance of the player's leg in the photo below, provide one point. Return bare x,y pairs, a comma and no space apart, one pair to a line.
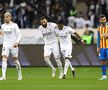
103,68
14,52
73,70
5,53
66,65
71,66
102,58
59,64
68,54
47,53
56,54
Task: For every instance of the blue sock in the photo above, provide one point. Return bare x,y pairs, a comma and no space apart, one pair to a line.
104,67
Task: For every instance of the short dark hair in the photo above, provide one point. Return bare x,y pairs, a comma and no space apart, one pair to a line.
42,18
102,19
60,22
101,16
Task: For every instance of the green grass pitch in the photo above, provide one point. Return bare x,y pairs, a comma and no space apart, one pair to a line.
40,79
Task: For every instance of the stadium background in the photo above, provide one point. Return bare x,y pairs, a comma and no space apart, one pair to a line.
79,14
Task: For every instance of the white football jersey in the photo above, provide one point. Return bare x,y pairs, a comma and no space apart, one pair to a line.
64,36
49,33
11,34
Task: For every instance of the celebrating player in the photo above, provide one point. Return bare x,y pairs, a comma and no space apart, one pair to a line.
64,34
12,36
51,45
102,45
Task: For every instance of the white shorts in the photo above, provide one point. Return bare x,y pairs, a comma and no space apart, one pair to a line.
52,49
66,52
7,50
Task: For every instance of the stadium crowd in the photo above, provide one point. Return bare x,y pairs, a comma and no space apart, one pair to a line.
27,17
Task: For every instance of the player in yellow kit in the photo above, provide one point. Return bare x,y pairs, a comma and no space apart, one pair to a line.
102,45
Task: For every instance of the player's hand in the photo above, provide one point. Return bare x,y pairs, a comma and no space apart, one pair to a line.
98,50
105,35
1,34
15,45
83,42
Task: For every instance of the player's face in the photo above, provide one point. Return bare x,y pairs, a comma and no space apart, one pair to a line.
7,18
43,22
60,26
103,21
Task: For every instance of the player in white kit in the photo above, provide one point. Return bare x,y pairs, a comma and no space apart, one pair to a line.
11,38
64,34
51,45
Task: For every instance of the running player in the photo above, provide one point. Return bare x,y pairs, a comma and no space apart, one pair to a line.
64,34
51,45
12,36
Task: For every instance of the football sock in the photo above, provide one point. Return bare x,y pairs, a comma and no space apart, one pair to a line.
66,66
72,68
18,67
4,67
59,64
48,62
104,67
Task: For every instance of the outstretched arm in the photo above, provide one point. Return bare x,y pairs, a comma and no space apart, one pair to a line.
79,39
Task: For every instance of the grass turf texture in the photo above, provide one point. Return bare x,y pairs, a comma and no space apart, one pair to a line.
40,79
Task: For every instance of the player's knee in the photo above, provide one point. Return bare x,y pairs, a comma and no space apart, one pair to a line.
45,57
4,57
67,58
15,58
16,62
103,62
57,59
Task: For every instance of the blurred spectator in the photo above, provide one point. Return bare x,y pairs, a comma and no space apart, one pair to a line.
48,2
30,16
87,23
72,17
54,8
103,5
79,21
73,12
27,17
1,14
92,6
87,37
96,8
92,18
21,16
71,21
